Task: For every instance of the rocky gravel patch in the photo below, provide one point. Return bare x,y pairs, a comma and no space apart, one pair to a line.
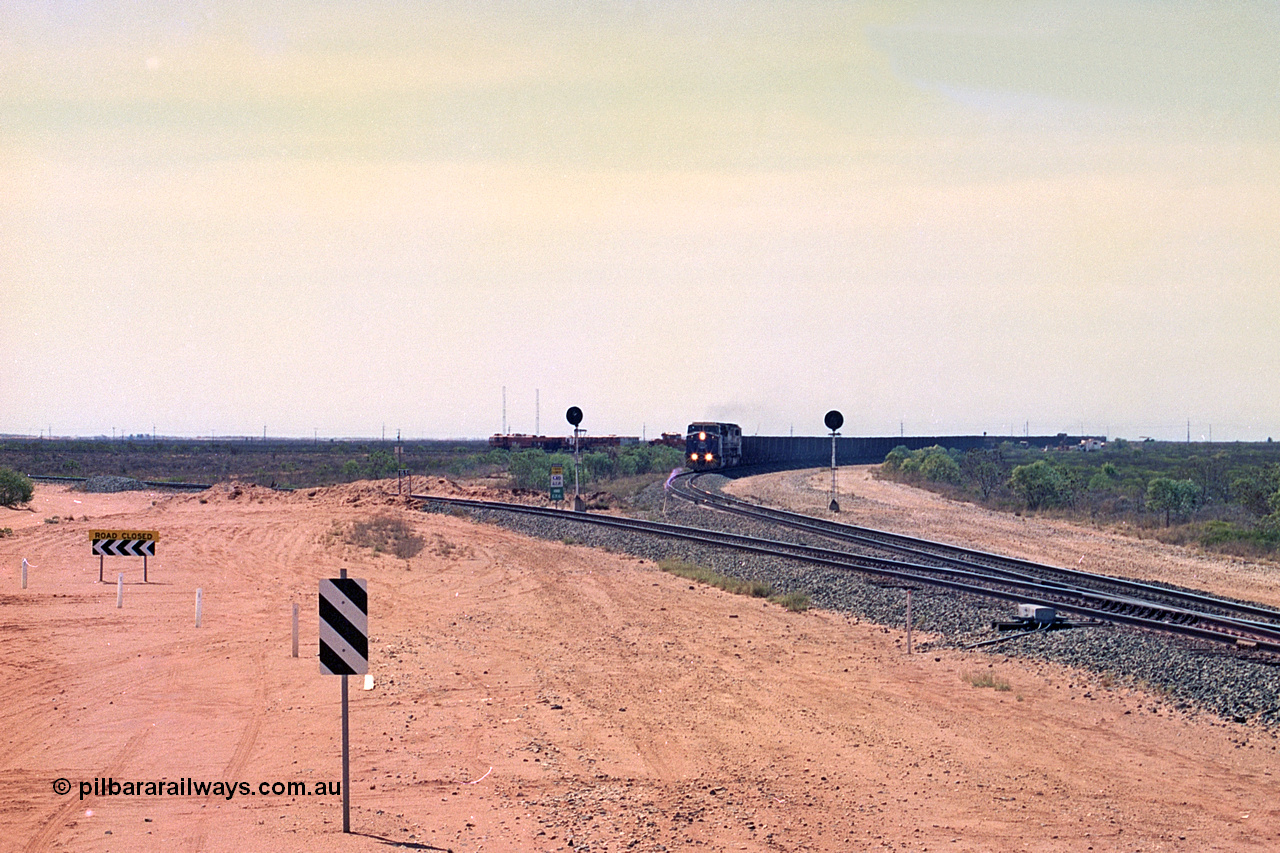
108,483
1179,672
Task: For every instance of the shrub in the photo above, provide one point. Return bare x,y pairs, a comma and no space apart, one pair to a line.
1175,497
985,679
938,467
893,461
1038,484
796,602
14,488
381,465
931,464
386,533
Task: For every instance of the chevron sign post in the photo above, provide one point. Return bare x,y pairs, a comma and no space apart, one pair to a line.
124,543
344,650
344,626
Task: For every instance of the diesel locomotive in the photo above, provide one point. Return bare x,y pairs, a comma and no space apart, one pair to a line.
709,445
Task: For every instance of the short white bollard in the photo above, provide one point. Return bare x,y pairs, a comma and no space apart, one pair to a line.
199,602
120,590
24,572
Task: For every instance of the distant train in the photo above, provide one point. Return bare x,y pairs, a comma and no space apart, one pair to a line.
564,444
710,445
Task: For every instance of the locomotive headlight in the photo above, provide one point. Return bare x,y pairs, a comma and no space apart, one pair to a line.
708,457
702,436
693,457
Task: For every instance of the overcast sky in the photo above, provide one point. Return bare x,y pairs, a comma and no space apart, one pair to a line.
939,217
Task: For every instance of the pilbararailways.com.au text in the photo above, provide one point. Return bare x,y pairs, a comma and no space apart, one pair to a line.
189,787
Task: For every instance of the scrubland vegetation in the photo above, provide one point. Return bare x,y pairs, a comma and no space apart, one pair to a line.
298,464
1225,497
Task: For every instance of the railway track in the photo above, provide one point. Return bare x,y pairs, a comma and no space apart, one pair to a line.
920,563
929,552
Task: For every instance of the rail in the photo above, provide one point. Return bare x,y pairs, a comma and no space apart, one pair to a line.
976,580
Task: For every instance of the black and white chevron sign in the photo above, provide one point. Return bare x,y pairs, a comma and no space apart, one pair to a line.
124,547
344,626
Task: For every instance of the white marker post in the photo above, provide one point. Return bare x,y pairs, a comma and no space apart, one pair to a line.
199,602
295,630
120,590
24,572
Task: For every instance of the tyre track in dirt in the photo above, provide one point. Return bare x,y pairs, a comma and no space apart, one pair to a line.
56,821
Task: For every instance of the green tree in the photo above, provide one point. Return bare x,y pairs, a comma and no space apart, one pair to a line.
14,488
894,459
1175,497
1038,484
937,466
984,470
1105,478
1256,490
381,464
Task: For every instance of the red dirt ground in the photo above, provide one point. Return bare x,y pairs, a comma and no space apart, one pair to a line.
536,696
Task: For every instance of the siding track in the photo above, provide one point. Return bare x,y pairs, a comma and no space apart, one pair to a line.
905,560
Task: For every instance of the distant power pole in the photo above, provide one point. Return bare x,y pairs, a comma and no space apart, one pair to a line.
537,411
504,409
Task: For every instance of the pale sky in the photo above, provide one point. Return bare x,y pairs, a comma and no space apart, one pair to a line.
939,217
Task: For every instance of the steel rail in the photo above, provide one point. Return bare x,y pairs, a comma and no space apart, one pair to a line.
959,556
1121,609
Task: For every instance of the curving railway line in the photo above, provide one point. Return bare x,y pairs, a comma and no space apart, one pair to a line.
917,562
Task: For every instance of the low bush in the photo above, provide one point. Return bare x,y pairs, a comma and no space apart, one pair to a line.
796,602
702,574
985,679
15,488
386,534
